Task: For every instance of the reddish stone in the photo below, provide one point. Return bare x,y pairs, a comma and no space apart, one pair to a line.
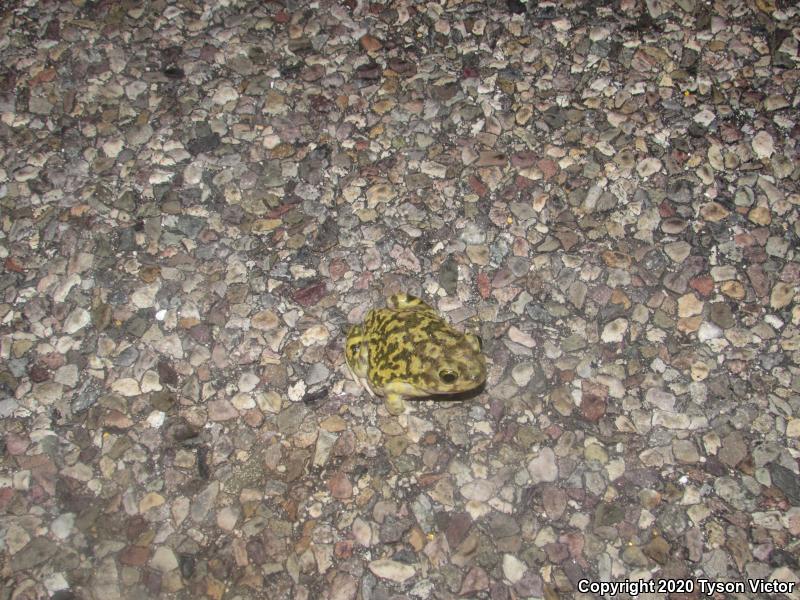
745,240
524,159
548,167
370,43
592,407
221,410
44,76
152,581
755,255
312,73
52,360
280,210
203,373
478,186
575,542
523,183
345,445
114,418
555,501
429,479
364,281
13,265
665,209
135,526
476,580
758,279
311,294
134,556
484,286
402,67
340,486
702,284
200,333
761,235
343,549
679,157
790,272
16,444
38,494
208,235
730,133
253,418
554,431
457,528
565,376
6,497
36,462
491,158
337,268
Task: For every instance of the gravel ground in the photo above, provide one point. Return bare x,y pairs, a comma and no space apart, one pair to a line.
198,198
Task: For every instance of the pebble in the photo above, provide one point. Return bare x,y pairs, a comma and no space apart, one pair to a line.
164,560
76,320
513,568
543,467
763,144
689,305
648,167
62,526
782,295
392,570
760,215
221,410
614,331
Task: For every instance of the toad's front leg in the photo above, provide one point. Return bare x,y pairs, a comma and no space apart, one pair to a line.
395,403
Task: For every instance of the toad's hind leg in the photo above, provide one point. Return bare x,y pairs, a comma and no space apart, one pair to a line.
403,300
395,404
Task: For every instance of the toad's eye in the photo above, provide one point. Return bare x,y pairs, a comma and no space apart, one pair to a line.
354,349
480,341
448,376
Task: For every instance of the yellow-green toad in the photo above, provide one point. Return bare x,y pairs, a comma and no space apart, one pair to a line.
407,350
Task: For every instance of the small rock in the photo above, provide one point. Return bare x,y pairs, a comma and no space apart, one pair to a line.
221,410
648,166
224,95
340,486
479,490
370,43
392,570
734,449
713,212
760,215
781,296
126,387
689,305
77,320
164,560
543,467
150,500
614,331
763,144
513,568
